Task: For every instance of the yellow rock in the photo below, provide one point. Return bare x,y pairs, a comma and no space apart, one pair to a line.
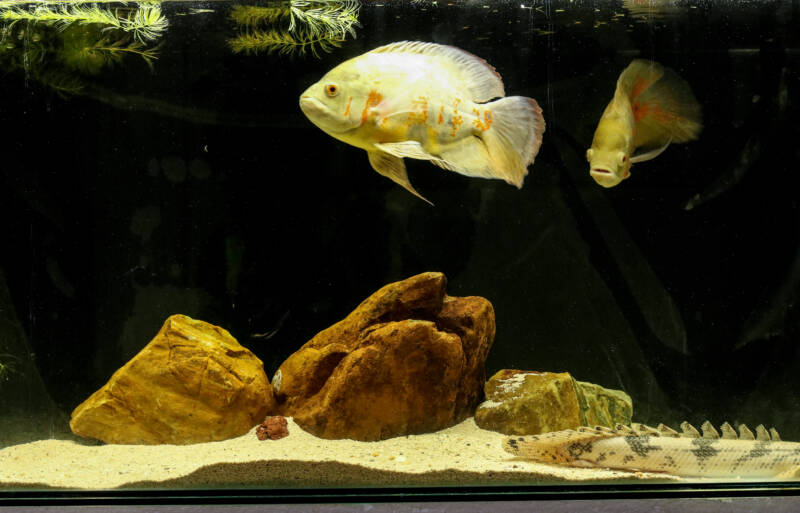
529,403
192,383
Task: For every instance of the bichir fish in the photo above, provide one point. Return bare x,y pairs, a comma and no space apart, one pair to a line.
431,102
652,108
662,449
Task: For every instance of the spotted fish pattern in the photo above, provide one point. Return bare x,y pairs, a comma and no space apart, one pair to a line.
689,453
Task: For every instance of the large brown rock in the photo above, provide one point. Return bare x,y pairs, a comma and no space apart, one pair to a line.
529,403
192,383
409,359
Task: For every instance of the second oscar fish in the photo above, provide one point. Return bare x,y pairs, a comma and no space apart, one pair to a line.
652,108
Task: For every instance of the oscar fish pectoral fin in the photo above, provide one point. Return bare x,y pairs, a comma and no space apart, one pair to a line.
410,149
394,169
467,156
650,154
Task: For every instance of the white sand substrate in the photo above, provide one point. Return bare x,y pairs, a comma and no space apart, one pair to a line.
461,455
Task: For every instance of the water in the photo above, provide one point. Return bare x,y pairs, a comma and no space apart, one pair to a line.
187,180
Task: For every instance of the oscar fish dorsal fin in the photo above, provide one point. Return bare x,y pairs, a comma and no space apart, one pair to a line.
475,74
664,107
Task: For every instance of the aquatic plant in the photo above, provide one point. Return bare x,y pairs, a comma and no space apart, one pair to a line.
17,3
89,51
59,45
252,15
281,42
324,17
145,22
298,26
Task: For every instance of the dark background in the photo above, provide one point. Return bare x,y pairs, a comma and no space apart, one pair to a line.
200,188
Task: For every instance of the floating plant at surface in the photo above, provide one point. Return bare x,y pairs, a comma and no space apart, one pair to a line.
252,16
320,17
59,44
295,26
17,3
146,22
91,49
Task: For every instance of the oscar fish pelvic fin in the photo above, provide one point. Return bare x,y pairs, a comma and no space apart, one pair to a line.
393,168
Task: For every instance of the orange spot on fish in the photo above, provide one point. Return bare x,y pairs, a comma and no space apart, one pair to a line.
373,100
654,110
482,124
441,115
347,110
419,114
456,120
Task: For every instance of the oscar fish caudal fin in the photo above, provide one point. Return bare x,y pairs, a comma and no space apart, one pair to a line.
652,108
430,102
643,448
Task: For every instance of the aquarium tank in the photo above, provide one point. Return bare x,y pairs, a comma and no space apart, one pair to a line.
399,244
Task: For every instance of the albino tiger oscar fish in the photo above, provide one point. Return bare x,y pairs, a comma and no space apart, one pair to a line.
647,449
431,102
652,108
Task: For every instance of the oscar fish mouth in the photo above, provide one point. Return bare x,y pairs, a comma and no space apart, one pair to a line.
604,177
322,116
311,105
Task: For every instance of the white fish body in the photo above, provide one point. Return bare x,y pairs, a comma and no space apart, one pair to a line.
661,449
427,101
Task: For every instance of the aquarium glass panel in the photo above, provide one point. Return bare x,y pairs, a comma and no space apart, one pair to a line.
347,244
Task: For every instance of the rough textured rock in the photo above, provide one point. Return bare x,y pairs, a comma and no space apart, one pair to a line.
409,359
528,403
273,428
192,383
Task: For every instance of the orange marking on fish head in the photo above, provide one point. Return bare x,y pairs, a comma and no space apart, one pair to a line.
441,115
373,100
347,110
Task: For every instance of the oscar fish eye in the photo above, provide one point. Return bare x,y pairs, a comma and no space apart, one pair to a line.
331,90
